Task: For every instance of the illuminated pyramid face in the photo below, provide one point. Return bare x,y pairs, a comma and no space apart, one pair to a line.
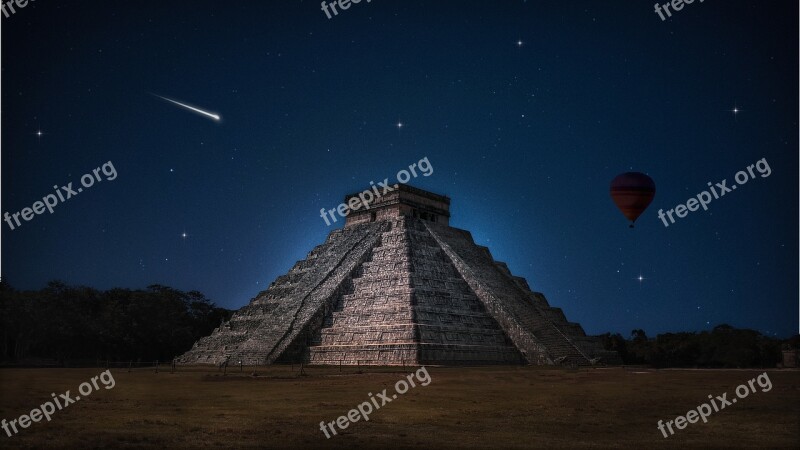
395,286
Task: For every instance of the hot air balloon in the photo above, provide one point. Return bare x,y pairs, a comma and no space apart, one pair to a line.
632,192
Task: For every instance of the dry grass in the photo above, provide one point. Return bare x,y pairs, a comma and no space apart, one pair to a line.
483,407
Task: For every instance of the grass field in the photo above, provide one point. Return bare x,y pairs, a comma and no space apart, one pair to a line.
477,407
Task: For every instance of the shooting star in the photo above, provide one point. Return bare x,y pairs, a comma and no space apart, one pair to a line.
216,117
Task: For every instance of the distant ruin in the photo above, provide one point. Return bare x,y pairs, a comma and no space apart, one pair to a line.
398,285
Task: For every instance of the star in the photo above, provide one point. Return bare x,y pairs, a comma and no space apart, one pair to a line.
399,125
519,43
736,110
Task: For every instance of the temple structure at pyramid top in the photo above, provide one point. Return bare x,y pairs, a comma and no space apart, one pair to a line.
402,201
398,285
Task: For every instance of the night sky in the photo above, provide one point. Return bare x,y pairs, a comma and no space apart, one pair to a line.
525,110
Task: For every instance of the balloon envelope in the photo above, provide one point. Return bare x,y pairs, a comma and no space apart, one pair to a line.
632,192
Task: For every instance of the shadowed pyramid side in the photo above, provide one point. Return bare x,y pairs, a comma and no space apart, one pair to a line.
541,332
455,327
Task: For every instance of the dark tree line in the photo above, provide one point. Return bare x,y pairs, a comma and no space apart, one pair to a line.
724,346
74,324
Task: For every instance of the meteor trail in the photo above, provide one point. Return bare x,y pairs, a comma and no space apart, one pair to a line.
216,117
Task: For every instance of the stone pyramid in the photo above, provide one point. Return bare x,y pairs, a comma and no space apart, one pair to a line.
398,285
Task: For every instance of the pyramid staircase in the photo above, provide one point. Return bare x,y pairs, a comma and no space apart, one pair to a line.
408,305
